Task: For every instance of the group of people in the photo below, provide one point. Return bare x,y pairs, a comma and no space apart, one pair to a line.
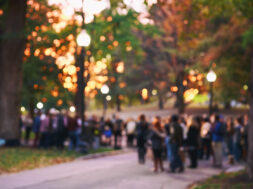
198,137
53,129
173,138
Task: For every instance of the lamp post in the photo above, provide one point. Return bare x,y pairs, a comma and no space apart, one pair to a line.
83,40
105,90
211,78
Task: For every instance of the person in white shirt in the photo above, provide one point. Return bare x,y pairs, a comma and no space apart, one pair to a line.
205,135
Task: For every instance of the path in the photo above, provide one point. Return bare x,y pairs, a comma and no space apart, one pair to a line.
112,172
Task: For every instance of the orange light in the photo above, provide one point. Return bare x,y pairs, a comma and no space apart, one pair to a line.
174,89
199,77
36,52
35,86
185,83
44,99
27,52
54,93
59,102
115,43
102,38
109,18
122,85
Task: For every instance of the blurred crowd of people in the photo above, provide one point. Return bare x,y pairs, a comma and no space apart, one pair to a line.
196,137
54,129
173,138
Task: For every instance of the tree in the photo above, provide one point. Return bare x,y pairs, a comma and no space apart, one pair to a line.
244,10
12,46
181,33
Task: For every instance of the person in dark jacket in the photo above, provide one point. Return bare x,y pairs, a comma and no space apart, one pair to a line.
237,139
192,142
176,134
72,132
141,135
157,137
36,128
61,129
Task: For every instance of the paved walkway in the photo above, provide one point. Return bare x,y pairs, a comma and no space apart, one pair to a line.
112,172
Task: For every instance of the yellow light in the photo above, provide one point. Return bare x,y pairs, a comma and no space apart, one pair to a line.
22,109
245,87
108,98
120,67
190,94
154,92
144,93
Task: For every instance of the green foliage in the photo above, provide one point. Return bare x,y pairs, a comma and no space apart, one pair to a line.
248,38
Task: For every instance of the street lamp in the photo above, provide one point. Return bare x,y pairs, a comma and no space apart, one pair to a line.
83,40
40,105
211,78
105,90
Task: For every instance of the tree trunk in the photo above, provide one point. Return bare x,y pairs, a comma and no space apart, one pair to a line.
227,105
180,93
31,104
118,103
160,102
250,131
11,54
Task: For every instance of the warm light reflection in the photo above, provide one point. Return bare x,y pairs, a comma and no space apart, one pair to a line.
120,67
144,94
190,94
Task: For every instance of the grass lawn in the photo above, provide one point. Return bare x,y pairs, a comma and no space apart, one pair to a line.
18,159
237,180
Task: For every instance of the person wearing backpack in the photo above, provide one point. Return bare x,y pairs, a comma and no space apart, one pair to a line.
218,138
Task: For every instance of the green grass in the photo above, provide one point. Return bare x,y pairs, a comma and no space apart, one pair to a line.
237,180
18,159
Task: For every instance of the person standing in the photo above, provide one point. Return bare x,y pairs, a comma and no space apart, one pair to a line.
206,139
96,135
141,136
192,142
157,137
61,129
237,139
245,136
44,130
36,129
130,130
167,140
229,139
218,138
118,126
108,131
72,132
28,124
176,133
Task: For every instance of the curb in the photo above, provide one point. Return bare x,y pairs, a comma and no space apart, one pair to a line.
103,154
